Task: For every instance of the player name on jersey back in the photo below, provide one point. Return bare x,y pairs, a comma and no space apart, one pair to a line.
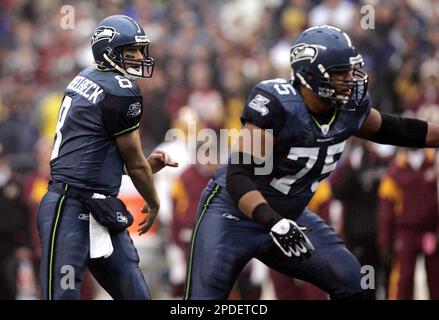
86,88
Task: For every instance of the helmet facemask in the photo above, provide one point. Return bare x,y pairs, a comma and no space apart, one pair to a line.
132,69
344,94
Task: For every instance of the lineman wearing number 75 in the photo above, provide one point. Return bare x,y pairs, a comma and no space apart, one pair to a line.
244,213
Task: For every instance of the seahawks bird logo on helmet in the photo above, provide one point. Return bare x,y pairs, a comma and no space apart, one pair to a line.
102,33
304,51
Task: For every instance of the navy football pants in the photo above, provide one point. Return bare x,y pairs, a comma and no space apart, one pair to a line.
64,236
224,240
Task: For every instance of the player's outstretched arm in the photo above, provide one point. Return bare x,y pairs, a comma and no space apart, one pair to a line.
286,234
139,170
432,135
399,131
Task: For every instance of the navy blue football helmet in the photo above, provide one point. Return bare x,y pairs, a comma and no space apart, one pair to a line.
317,54
108,40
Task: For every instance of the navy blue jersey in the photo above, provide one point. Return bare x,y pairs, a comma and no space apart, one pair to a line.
304,154
97,106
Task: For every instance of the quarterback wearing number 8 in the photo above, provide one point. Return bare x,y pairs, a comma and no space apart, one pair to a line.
81,222
307,119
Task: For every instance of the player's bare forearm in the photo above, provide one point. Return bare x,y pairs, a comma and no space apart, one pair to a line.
144,183
250,201
432,139
137,166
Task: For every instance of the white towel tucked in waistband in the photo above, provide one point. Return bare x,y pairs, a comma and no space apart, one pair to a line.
100,239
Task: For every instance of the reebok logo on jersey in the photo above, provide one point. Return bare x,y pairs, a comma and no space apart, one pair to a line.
325,140
259,103
230,217
134,110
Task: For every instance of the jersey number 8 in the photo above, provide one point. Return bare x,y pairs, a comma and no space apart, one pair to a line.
65,106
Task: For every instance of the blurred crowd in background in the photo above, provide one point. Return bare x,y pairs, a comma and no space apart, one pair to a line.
209,54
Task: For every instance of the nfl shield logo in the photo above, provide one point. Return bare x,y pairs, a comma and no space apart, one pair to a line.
325,129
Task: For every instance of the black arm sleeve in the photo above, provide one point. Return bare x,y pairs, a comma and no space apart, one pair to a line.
239,179
398,131
121,114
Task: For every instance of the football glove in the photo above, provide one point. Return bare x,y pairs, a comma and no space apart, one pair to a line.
291,239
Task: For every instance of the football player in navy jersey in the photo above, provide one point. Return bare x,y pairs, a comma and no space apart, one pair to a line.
96,136
307,120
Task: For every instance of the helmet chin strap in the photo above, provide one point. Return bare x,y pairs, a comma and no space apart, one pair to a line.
137,74
339,102
303,81
124,72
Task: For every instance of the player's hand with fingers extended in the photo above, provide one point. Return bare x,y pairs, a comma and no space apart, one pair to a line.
291,239
159,159
148,221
